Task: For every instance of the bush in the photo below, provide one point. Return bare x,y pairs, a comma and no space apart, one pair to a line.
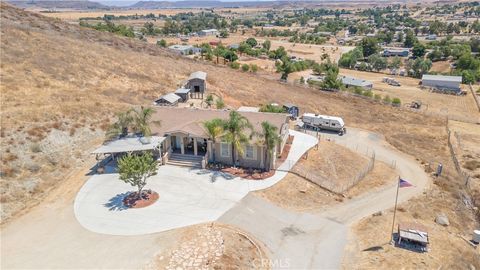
162,43
235,65
245,67
358,90
396,102
253,68
387,99
377,97
220,104
368,93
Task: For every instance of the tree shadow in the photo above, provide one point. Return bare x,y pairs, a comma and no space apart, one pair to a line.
216,174
116,203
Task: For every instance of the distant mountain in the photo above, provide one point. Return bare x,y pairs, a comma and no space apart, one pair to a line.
199,4
58,4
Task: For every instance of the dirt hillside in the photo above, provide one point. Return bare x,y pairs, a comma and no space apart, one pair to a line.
61,84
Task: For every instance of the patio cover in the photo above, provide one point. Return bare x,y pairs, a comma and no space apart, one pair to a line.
130,144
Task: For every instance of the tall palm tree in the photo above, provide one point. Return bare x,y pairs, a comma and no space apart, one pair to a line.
234,128
142,120
120,128
214,129
268,138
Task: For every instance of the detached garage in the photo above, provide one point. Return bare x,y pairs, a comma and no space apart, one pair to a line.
442,82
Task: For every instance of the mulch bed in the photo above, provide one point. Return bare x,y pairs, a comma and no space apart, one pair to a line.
248,173
286,150
148,198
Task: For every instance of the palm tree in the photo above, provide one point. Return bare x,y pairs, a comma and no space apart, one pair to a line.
214,129
120,128
268,138
234,128
142,120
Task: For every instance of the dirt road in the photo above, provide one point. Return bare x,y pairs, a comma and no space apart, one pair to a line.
317,241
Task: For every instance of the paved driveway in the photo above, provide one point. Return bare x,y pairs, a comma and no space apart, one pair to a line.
187,197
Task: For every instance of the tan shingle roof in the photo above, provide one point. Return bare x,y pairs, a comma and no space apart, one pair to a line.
190,120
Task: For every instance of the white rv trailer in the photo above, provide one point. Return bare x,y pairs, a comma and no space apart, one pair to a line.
326,122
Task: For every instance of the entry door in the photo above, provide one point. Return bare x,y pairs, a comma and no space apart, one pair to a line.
173,142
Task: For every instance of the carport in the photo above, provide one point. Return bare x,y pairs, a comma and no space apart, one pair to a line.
134,144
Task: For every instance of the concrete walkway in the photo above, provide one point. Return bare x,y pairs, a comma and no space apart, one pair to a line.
187,196
317,241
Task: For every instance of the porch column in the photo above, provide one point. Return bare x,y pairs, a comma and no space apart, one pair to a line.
262,154
210,150
195,151
182,146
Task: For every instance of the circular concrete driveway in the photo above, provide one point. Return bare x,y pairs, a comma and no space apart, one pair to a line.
187,197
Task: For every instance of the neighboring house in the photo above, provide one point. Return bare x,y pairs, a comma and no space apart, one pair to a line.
402,52
184,49
208,32
170,99
186,137
442,82
184,93
234,46
292,109
431,37
350,81
197,83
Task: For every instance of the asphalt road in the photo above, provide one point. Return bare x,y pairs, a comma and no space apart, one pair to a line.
317,241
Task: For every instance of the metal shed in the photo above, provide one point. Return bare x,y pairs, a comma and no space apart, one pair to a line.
184,93
197,83
170,99
350,81
442,82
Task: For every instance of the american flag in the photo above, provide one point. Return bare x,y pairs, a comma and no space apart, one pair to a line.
405,183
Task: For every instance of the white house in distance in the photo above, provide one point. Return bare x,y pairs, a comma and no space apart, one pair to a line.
184,49
208,32
350,81
442,82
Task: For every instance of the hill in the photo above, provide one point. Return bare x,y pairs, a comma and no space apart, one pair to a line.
55,4
62,85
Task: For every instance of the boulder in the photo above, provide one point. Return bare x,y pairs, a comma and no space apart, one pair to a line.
442,219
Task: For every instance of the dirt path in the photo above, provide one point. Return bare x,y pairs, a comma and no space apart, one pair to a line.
317,241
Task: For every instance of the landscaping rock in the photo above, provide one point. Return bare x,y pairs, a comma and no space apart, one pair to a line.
442,219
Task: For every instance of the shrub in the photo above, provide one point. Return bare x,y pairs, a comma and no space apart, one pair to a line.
162,43
358,90
253,68
245,67
396,101
387,99
368,93
377,97
235,65
220,103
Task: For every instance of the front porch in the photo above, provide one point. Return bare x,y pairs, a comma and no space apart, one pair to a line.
185,149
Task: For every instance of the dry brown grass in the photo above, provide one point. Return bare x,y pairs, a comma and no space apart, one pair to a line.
70,73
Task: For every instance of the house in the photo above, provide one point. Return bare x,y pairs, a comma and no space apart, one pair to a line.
431,37
350,81
208,32
186,138
442,82
170,99
197,83
402,52
291,109
185,49
184,93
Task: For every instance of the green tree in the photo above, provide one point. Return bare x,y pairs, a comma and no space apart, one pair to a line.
121,126
268,138
377,62
418,50
285,67
395,63
369,46
224,33
410,39
267,44
252,42
235,127
142,120
214,130
136,169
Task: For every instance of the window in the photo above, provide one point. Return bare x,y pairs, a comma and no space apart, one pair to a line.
225,150
249,152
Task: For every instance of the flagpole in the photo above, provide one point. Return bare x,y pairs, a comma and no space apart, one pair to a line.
395,210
